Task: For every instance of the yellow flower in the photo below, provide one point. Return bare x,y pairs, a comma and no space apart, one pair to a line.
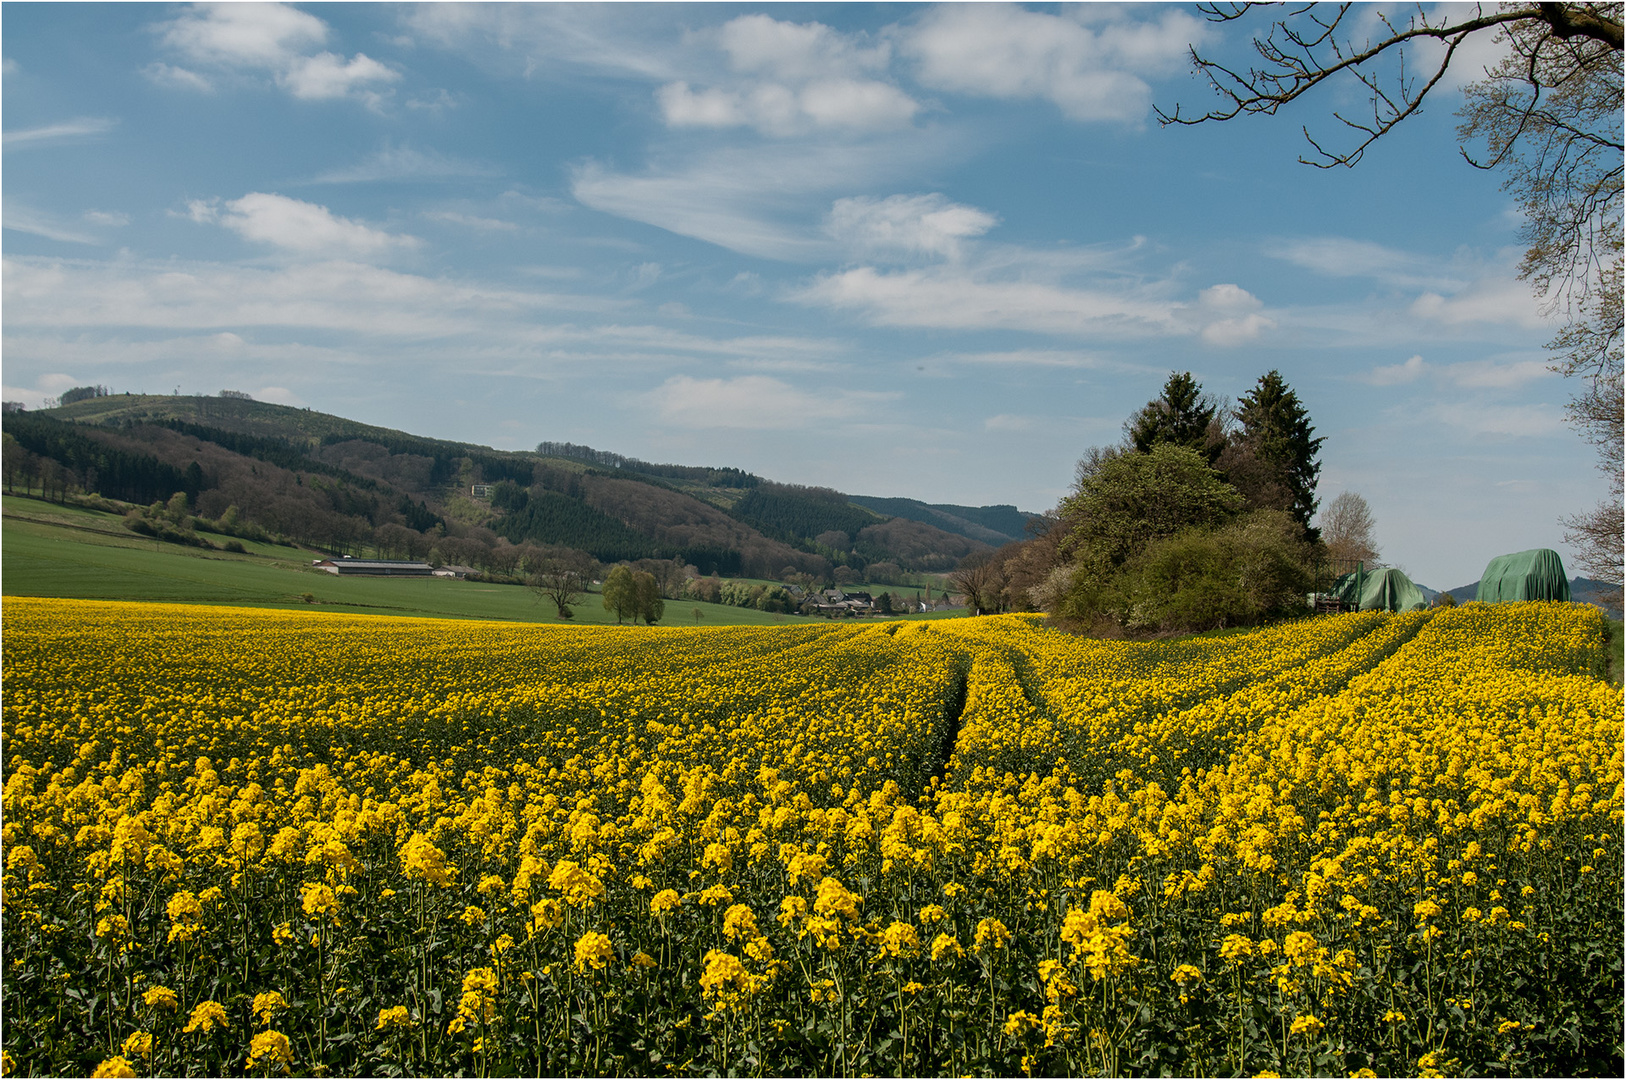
206,1016
396,1016
593,950
898,940
834,899
1307,1025
580,887
1020,1023
740,923
547,914
161,997
318,900
664,901
138,1044
792,909
719,856
946,945
991,935
115,1066
641,959
423,861
1186,974
268,1005
271,1047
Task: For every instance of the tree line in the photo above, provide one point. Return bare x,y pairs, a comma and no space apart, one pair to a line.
1201,517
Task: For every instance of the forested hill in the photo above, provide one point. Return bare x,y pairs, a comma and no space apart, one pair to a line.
330,483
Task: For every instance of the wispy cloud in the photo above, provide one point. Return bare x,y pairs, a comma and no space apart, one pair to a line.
298,226
1397,374
28,220
471,221
953,297
1481,420
84,127
183,78
406,163
906,226
758,402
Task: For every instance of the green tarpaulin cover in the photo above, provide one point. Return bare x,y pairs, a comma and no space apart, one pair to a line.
1537,574
1382,590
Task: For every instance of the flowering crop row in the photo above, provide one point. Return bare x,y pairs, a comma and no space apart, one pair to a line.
250,841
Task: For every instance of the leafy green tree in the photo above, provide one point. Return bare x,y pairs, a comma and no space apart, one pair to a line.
1131,500
1182,415
1276,428
1242,573
621,594
647,597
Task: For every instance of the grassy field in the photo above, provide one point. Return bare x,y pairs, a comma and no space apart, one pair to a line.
70,552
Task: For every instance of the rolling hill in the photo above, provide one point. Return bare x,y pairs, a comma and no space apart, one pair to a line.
259,470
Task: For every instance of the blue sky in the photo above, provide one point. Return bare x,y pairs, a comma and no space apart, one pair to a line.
899,250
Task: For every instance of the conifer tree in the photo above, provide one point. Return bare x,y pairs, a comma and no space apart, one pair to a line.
1276,428
1182,415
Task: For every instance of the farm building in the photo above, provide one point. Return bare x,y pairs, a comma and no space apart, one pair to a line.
1537,574
375,567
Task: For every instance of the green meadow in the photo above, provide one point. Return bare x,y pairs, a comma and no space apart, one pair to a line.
75,552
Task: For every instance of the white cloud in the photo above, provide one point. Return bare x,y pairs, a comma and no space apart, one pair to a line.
623,39
790,78
1501,421
62,312
776,109
1497,301
471,221
1488,374
1397,374
112,218
1229,333
81,128
751,401
1089,72
298,226
730,211
760,44
954,298
278,395
906,225
328,75
1338,256
274,38
182,78
26,219
1009,422
1043,358
259,35
404,163
1241,319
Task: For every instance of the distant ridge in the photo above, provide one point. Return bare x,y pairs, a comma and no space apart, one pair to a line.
994,525
341,486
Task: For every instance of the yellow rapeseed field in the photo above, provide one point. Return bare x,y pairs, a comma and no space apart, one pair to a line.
288,842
